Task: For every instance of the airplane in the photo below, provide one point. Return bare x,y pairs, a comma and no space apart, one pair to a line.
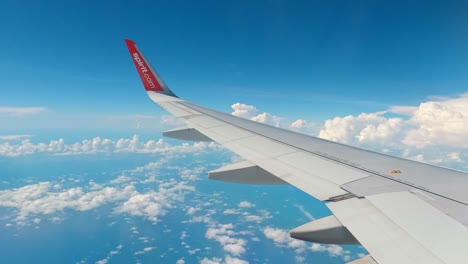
401,211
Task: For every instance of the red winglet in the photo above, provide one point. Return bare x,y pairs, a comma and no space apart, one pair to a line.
148,77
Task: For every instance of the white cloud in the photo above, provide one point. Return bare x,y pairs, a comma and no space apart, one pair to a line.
281,237
152,204
121,179
332,250
21,111
432,123
42,198
304,126
231,212
99,145
211,261
434,131
253,218
109,255
143,251
192,210
147,249
454,156
363,129
305,212
245,204
235,249
232,260
14,137
227,260
299,123
250,112
440,123
223,233
267,118
180,261
48,198
243,110
403,110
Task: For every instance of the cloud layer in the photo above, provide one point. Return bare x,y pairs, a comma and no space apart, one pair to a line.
48,198
434,131
98,145
21,111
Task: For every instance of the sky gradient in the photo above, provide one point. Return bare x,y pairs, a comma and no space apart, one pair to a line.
305,58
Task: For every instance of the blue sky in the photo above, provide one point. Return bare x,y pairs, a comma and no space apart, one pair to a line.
306,59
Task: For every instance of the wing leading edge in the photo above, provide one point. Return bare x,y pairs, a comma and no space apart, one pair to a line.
401,211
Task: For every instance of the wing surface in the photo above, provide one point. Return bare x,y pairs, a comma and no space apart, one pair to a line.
401,211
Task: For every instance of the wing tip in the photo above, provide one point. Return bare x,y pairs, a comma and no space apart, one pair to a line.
149,77
129,42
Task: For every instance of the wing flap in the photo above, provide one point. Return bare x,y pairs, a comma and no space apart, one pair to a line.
399,227
424,223
387,242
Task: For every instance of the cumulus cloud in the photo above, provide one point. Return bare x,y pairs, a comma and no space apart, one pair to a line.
49,198
269,119
211,261
99,145
441,123
153,204
223,234
362,129
259,216
403,110
243,110
43,198
232,260
299,123
245,204
227,260
192,210
250,112
435,131
432,123
110,254
281,237
334,251
21,111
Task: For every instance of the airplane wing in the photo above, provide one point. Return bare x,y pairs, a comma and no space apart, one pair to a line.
401,211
